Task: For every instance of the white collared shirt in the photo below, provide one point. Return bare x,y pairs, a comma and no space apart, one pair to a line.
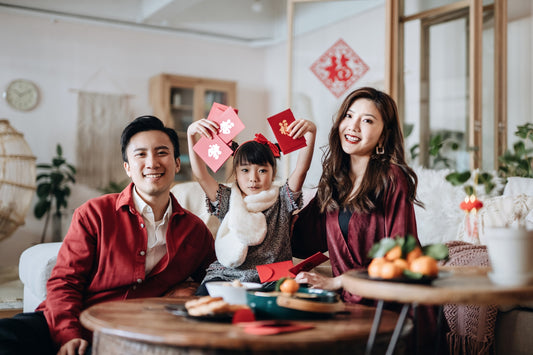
156,230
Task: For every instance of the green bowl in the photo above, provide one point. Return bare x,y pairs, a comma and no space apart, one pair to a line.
265,304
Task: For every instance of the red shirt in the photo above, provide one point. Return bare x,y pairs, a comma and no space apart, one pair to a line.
102,258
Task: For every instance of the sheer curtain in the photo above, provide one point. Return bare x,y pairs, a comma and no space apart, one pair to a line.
101,119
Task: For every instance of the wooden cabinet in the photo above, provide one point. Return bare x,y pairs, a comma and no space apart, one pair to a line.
180,100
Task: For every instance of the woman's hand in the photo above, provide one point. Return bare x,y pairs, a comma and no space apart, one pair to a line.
320,281
203,127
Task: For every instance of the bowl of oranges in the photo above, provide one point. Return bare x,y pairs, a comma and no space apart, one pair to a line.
404,260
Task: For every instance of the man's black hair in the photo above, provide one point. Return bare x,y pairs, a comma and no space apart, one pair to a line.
147,123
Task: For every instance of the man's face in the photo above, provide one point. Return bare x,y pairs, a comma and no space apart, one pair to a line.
151,164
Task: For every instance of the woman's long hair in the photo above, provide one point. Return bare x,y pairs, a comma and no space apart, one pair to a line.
335,185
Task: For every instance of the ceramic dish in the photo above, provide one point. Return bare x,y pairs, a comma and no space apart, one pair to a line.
180,310
229,291
424,280
305,304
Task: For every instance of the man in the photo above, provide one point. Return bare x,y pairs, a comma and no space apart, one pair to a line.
138,243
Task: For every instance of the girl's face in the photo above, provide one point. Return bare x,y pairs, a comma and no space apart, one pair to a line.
254,178
360,130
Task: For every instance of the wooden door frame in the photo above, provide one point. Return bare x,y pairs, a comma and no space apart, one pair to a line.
394,83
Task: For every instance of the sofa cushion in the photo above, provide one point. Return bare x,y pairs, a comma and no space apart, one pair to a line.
441,220
518,185
505,211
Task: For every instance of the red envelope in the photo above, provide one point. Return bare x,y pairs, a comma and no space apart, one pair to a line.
217,110
309,263
274,271
274,327
229,123
279,124
213,151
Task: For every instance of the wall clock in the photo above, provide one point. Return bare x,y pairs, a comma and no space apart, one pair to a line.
22,95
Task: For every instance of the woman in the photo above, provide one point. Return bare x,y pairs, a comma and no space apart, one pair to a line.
366,191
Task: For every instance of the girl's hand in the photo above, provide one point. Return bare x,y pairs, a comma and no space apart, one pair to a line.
320,281
203,127
300,127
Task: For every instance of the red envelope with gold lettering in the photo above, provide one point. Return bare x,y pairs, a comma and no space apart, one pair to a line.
279,124
229,124
213,151
274,271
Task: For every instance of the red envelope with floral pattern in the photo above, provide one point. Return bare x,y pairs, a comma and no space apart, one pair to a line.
279,124
229,124
214,152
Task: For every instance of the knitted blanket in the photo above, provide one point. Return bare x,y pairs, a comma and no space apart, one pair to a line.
471,327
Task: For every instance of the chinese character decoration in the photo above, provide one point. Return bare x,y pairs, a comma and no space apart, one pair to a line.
284,128
339,68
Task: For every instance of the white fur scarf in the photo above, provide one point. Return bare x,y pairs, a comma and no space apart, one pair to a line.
243,225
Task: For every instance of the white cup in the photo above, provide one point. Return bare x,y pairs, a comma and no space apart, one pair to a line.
510,253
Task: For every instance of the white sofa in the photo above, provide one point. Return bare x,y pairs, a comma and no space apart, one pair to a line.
441,221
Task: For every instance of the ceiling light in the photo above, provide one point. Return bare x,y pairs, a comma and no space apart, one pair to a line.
257,6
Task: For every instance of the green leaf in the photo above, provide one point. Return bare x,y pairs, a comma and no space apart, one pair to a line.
436,251
279,282
40,209
469,189
382,247
43,190
457,179
412,275
410,244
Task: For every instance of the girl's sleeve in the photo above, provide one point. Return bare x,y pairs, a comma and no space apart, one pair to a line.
309,231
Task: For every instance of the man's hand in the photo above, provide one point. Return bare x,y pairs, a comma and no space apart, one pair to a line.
76,346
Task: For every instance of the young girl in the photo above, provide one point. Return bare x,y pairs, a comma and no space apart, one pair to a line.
255,214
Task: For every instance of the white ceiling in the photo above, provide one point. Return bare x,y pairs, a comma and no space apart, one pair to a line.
245,21
251,22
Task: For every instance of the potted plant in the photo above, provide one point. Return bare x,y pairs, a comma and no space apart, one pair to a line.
518,162
53,190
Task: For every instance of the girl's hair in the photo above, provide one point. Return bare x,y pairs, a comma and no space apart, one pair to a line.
253,152
335,185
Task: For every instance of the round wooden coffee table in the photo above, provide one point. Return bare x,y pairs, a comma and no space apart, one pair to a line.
144,326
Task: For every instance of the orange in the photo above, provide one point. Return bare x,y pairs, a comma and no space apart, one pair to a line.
401,263
413,254
394,253
374,268
289,286
390,270
425,265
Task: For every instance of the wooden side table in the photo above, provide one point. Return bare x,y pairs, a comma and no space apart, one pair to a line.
458,285
143,326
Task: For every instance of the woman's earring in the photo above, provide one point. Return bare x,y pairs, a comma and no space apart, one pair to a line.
380,150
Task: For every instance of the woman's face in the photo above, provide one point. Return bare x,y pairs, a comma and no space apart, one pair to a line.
360,129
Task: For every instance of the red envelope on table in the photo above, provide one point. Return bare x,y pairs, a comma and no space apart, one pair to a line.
229,123
274,271
213,151
217,110
279,124
309,263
